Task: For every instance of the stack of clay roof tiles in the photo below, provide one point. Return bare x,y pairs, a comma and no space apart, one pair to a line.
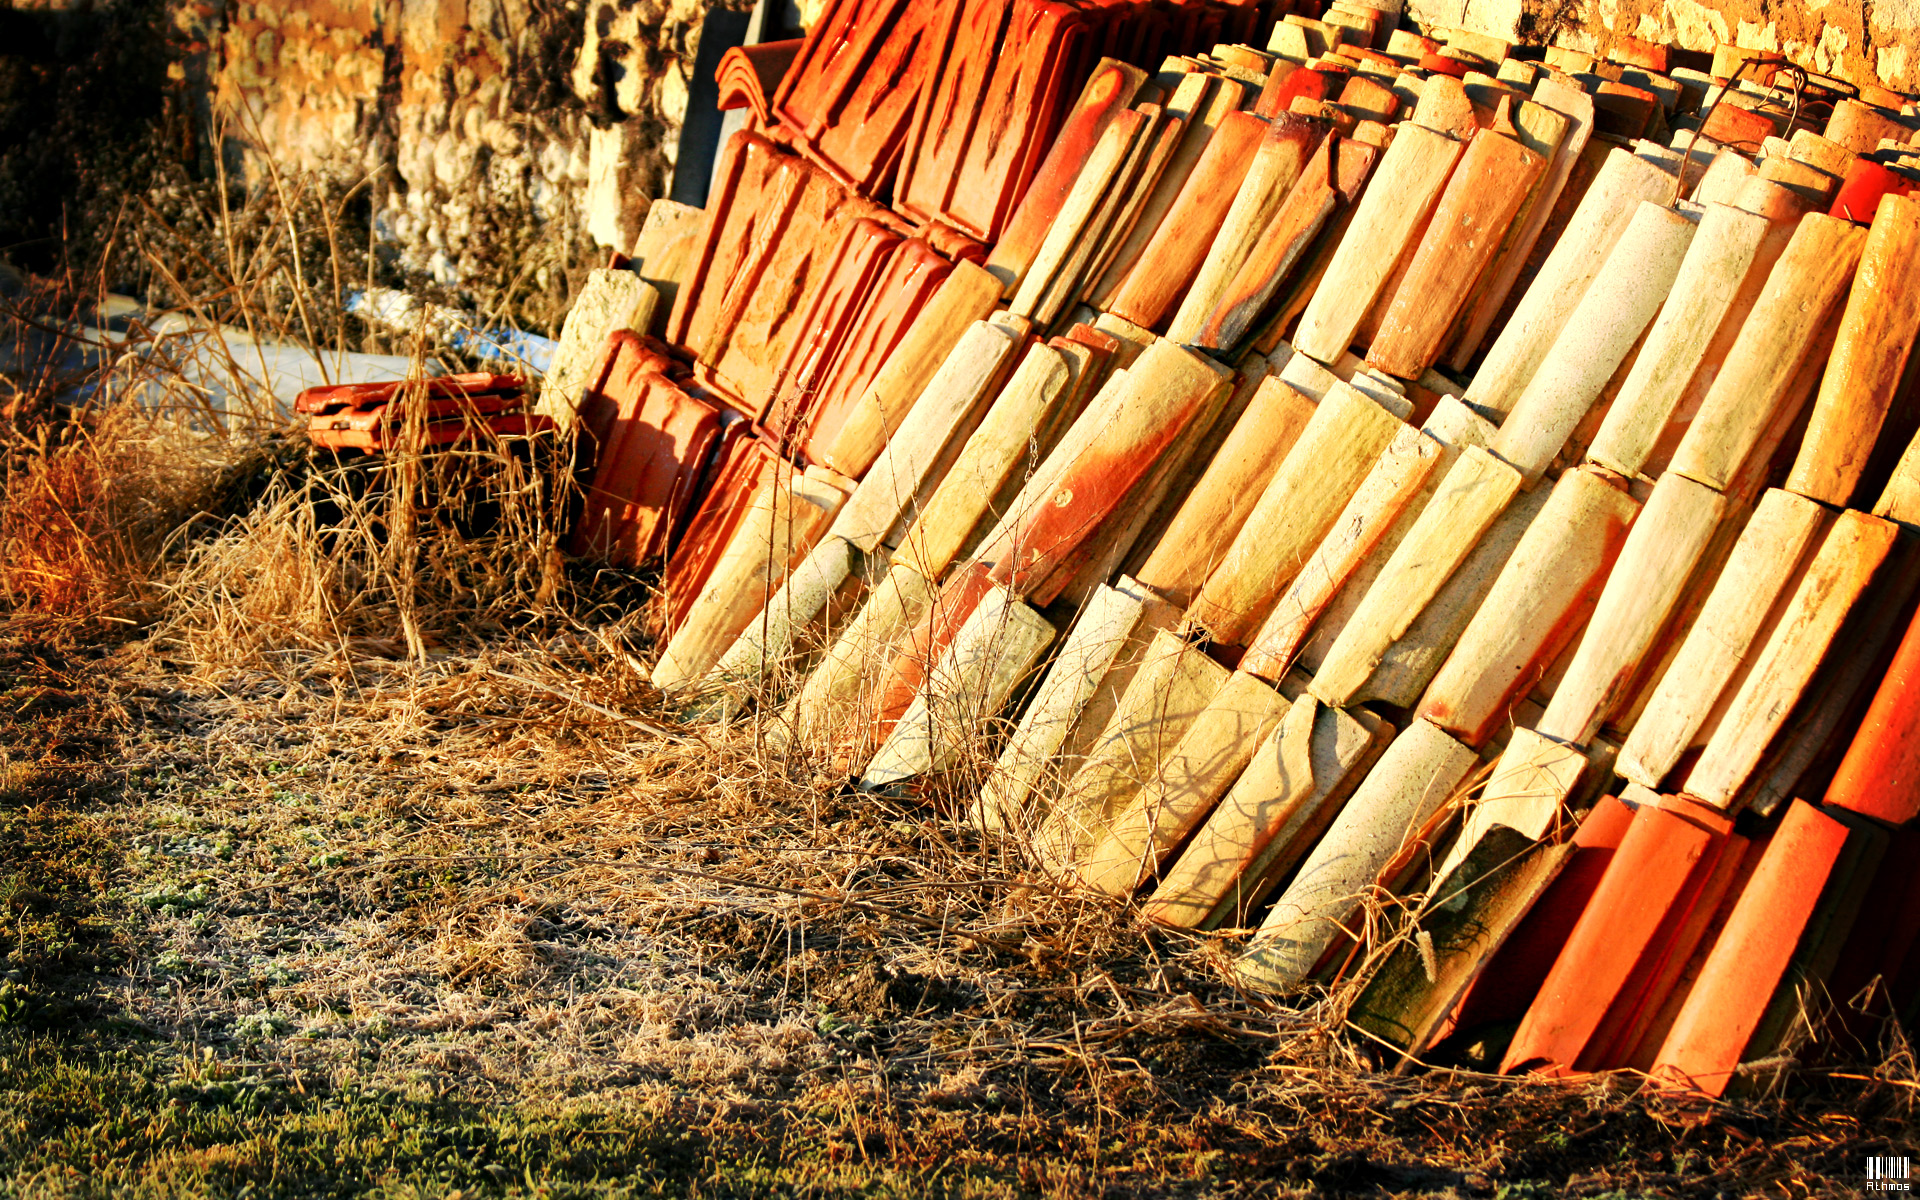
1447,505
373,418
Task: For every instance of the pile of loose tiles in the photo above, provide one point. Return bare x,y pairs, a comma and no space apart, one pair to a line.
373,418
1451,512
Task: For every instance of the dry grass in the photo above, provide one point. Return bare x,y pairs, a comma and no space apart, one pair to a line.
89,488
458,884
117,447
107,450
84,516
407,552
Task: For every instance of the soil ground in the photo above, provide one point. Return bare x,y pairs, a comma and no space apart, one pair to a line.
343,925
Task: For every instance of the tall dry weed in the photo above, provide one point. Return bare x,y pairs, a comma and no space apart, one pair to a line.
112,440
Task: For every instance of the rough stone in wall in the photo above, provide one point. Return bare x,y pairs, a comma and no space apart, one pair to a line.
1855,40
633,73
500,138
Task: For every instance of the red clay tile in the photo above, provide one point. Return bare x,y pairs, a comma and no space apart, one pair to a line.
1599,979
651,441
1785,932
1880,775
1512,977
741,463
912,274
1866,182
1738,128
361,396
382,437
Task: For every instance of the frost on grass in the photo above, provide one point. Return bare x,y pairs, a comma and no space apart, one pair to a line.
364,876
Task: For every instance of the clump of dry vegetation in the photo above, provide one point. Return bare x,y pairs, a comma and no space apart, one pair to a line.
403,553
151,462
87,509
93,486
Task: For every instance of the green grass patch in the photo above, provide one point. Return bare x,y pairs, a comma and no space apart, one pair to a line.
56,865
78,1122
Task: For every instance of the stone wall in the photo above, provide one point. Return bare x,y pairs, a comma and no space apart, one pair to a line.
1855,40
506,143
497,137
544,126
